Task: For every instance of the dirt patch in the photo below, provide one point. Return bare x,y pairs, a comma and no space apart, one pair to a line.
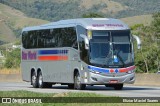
147,79
10,78
64,94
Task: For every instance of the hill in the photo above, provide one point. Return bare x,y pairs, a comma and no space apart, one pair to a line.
53,10
12,21
142,19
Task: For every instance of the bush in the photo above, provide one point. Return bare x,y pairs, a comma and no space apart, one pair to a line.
13,59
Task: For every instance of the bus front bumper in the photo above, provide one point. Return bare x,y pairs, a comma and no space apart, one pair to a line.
101,79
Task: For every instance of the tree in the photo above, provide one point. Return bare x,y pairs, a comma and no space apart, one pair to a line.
156,24
148,59
92,15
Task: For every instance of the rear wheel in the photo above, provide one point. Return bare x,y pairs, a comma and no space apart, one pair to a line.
42,84
34,80
77,82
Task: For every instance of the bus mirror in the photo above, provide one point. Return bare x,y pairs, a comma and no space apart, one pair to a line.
85,40
138,41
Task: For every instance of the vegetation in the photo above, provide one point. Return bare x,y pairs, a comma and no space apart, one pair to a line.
11,23
53,10
142,19
12,20
63,95
138,7
148,59
93,15
23,93
13,59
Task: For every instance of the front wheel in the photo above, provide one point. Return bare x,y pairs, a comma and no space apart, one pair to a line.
77,82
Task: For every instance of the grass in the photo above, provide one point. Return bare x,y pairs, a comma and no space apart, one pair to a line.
82,95
23,93
10,71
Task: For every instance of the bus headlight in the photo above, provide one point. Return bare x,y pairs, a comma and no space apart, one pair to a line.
96,72
130,71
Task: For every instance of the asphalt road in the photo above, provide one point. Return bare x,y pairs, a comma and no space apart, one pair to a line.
128,90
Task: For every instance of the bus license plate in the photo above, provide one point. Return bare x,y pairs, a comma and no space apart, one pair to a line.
113,81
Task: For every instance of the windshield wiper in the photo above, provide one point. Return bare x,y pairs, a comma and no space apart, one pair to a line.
121,60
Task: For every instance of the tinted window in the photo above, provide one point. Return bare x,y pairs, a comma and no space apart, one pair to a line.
121,36
101,35
60,37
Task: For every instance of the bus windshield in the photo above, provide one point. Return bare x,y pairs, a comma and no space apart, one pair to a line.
111,49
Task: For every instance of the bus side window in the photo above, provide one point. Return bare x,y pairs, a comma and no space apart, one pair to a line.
51,39
24,39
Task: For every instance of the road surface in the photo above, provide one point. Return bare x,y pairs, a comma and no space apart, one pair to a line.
128,90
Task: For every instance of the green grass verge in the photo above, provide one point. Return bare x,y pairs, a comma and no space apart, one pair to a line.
22,93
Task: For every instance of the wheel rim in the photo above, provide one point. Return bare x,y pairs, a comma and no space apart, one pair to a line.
78,82
40,80
34,79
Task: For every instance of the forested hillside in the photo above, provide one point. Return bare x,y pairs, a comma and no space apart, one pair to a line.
63,9
139,7
11,23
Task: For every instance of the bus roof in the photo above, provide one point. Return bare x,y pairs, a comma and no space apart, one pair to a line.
88,23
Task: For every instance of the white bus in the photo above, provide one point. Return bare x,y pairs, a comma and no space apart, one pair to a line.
79,52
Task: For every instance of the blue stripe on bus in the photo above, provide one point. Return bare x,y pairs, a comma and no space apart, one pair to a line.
99,69
47,52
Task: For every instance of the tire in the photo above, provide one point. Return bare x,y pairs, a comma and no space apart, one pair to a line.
118,86
77,82
42,84
71,86
34,80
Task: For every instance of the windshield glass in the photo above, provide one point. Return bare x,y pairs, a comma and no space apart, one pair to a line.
98,52
111,49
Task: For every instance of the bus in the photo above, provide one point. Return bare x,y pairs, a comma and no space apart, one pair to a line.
79,52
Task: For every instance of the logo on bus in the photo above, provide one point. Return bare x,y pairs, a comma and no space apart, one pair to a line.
29,55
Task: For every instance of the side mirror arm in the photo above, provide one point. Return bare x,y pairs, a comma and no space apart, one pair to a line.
138,41
86,40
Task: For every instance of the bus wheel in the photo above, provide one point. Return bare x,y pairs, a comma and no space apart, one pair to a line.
77,83
41,84
34,81
118,86
71,86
